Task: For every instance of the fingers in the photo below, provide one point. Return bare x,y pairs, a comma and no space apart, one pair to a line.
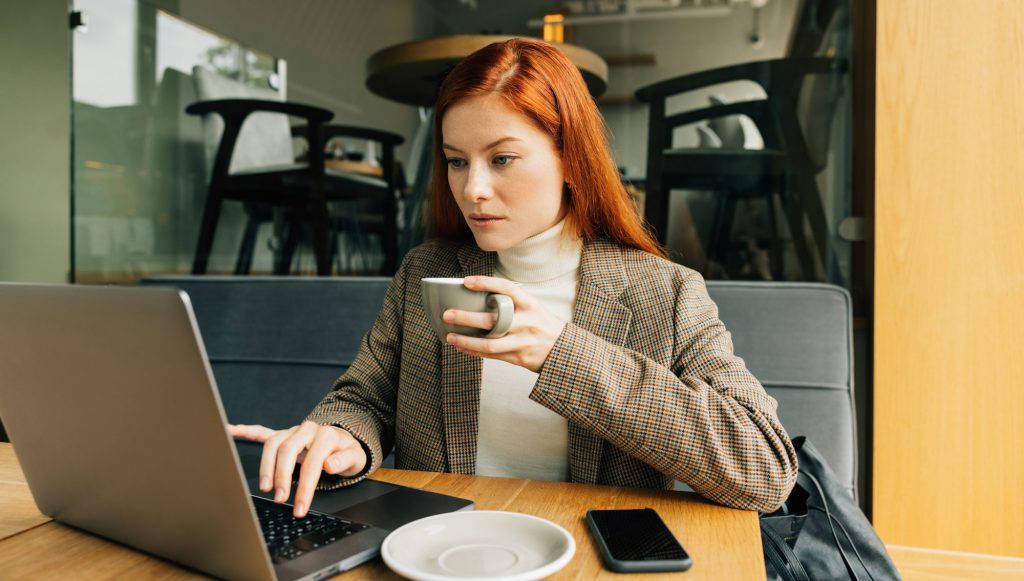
471,319
308,477
527,346
323,444
268,460
347,462
287,455
349,458
334,451
498,285
317,448
483,346
254,433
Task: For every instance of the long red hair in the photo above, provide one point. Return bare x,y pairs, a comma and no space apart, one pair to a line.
537,80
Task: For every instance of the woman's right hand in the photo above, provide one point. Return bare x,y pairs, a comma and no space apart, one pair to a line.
319,449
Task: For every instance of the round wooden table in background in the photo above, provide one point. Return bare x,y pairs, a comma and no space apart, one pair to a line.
411,72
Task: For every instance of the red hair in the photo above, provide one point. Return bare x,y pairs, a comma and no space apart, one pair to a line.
537,80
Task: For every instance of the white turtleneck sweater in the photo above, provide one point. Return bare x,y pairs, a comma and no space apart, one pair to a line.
518,437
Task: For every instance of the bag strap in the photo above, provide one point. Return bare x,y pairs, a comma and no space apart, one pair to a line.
782,558
828,514
842,528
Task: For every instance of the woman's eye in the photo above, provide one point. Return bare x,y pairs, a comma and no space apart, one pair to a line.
503,159
456,163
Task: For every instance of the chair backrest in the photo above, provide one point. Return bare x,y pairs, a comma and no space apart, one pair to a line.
734,131
797,339
276,344
265,138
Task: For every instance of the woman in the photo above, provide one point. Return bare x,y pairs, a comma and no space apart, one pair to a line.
616,369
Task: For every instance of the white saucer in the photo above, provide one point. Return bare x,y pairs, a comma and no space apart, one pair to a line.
478,544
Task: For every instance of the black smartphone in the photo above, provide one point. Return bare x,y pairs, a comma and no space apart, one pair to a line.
636,540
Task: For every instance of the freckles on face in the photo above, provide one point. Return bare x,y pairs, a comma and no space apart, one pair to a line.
505,173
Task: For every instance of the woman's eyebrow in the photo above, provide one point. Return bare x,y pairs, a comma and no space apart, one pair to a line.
488,146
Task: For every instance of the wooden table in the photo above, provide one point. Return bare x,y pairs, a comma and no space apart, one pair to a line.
724,543
354,166
411,72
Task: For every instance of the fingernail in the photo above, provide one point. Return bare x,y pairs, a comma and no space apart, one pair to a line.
300,510
265,484
279,495
448,315
450,338
471,280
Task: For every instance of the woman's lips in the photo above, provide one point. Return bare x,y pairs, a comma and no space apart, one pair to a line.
484,221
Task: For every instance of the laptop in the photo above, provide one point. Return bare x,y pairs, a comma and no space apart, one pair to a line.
109,400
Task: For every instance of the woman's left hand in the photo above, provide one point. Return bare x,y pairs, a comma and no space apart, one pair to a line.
528,342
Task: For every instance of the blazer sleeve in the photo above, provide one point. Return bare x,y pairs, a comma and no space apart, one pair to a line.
704,420
362,400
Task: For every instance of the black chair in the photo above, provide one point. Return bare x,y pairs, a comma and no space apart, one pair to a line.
276,344
254,164
785,165
372,214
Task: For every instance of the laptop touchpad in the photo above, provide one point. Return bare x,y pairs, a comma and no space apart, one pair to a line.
329,501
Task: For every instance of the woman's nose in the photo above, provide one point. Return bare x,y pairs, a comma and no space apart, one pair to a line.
478,184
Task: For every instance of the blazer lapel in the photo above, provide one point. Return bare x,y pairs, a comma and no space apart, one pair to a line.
597,309
460,380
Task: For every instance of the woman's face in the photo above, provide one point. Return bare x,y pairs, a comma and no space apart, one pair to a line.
504,172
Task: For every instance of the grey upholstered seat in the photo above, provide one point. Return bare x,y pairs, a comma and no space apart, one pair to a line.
797,339
276,344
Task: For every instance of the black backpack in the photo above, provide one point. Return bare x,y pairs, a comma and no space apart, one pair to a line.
820,532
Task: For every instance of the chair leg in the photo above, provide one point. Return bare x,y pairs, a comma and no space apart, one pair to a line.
775,252
810,199
292,229
719,229
728,222
211,213
656,207
389,240
795,218
243,264
321,226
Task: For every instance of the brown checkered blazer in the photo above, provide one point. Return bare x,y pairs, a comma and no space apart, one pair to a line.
645,373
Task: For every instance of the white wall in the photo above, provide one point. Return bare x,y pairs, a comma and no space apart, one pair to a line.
681,46
326,44
35,148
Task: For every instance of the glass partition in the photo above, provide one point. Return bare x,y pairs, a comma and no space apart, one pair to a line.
140,162
750,195
738,195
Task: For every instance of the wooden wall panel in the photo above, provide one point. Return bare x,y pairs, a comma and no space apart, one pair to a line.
949,275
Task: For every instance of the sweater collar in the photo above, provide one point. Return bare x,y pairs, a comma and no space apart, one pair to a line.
547,256
601,265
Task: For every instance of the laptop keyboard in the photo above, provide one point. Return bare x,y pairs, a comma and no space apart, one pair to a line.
289,537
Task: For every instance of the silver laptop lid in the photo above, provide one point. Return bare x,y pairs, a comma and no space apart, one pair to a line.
109,400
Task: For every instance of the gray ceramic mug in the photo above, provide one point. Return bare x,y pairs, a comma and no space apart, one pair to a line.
441,294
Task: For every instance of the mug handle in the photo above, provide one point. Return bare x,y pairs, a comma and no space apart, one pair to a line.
505,309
